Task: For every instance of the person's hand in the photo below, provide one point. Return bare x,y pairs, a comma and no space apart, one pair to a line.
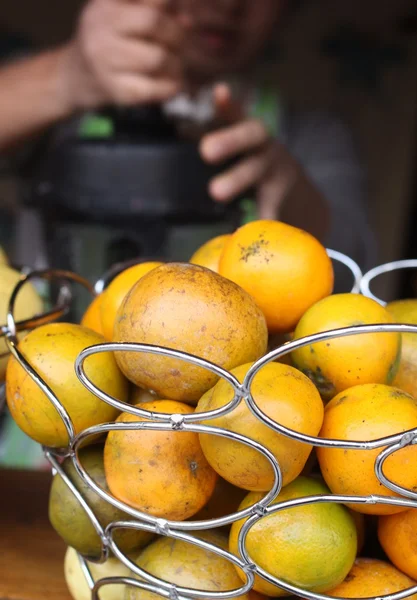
264,164
124,53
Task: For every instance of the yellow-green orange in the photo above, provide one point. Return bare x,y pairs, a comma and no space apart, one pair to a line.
363,413
187,565
343,362
405,311
192,309
312,547
69,518
52,351
283,394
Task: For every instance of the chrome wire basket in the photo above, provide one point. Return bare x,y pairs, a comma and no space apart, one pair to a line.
183,530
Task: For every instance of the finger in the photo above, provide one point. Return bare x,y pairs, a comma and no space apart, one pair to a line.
227,108
129,89
143,57
270,197
246,174
246,136
147,22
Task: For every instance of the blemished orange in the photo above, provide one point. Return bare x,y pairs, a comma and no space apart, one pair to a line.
312,546
371,578
116,292
187,565
208,255
92,316
52,350
191,309
363,413
343,362
405,311
163,473
285,269
397,535
283,394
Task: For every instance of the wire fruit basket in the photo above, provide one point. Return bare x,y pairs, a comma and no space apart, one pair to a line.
179,423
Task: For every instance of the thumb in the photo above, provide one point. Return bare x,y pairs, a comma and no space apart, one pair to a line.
227,109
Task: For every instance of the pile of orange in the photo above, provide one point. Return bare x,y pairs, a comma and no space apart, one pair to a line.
240,291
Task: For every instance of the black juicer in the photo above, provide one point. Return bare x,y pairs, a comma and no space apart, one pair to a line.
139,192
143,187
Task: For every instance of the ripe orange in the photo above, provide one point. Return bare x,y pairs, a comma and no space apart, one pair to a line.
92,316
192,309
28,304
397,535
52,351
344,362
285,269
285,395
405,311
312,546
368,412
187,565
163,473
209,254
372,578
118,289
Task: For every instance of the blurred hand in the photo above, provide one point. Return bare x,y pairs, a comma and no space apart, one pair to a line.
124,53
264,165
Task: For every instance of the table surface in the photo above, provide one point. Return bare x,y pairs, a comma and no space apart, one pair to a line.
31,553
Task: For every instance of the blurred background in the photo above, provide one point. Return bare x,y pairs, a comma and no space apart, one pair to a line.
357,59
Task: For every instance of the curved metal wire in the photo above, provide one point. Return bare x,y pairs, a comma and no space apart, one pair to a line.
351,265
200,423
396,265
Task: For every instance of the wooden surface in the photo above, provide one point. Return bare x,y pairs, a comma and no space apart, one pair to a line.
31,553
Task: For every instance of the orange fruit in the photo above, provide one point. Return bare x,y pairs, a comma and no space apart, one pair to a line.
343,362
28,304
283,394
192,309
92,316
190,566
405,311
208,255
372,578
397,535
362,413
71,522
116,292
52,350
285,269
311,546
163,473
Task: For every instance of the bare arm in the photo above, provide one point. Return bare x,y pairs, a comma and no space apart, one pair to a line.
122,53
32,97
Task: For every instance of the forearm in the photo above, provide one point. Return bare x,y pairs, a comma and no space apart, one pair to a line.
33,96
